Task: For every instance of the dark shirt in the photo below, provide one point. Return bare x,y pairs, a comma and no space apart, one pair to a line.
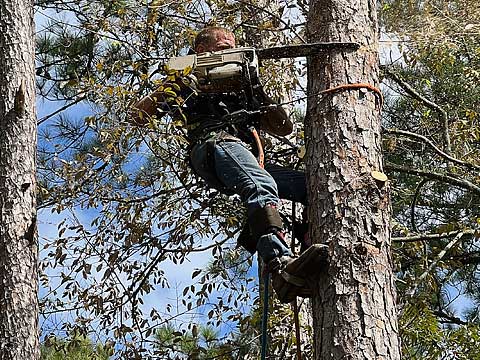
207,113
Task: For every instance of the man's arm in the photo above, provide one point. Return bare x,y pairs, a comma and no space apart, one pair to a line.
142,110
156,103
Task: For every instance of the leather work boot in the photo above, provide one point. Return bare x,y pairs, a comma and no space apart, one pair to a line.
291,277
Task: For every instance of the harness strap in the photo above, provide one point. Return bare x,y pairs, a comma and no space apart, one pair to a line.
264,220
297,329
295,305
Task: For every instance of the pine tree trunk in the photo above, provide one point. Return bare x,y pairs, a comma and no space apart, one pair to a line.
18,238
354,309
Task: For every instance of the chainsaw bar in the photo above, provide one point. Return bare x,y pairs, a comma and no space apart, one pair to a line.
302,50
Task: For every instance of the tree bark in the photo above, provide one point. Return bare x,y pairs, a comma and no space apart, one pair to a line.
18,237
354,309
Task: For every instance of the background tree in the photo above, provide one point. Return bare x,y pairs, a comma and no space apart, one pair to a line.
431,130
354,310
18,224
76,347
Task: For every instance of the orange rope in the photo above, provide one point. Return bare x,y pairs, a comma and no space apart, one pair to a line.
354,87
258,143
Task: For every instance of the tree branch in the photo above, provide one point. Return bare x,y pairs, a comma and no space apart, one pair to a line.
434,263
450,319
427,237
468,258
276,17
45,118
416,95
433,146
465,184
414,202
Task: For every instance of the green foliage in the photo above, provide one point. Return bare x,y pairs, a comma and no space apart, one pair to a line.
75,348
424,338
436,199
202,342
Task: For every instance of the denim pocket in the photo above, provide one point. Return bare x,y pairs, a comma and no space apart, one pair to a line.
203,164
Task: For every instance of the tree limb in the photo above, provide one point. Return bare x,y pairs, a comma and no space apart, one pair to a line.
450,319
416,95
414,202
462,183
433,146
427,237
45,118
434,263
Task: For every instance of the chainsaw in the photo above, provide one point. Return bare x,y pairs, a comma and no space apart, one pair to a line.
221,71
237,69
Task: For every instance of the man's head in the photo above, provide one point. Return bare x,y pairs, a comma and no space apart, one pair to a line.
214,39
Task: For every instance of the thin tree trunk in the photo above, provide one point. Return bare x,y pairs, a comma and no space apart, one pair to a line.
18,238
354,309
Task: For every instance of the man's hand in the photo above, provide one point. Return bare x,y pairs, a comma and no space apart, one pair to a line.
275,121
148,106
143,109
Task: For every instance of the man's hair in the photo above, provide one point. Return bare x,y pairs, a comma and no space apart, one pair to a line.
208,35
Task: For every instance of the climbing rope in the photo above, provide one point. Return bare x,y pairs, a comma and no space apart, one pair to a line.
265,316
339,88
259,146
294,303
335,89
354,87
297,328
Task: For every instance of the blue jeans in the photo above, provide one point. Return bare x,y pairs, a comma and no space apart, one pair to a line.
238,171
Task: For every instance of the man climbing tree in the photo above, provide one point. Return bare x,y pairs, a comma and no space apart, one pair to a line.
222,128
18,239
354,309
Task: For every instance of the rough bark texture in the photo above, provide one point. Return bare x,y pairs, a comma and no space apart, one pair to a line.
354,309
18,238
